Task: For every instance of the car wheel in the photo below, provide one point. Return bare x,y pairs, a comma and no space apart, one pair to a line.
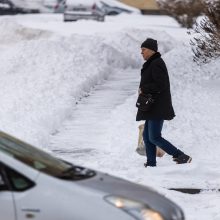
113,13
68,20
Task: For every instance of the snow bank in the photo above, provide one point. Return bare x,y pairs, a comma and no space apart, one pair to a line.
181,65
43,76
47,76
195,109
12,32
49,73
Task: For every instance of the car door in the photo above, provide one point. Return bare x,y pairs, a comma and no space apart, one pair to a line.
7,209
24,194
30,201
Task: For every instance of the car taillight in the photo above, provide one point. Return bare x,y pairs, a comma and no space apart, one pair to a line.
94,6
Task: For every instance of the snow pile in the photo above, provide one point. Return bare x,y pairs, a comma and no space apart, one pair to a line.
43,76
47,76
181,65
12,32
192,103
49,73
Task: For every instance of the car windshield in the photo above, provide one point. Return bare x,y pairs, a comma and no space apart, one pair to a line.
39,159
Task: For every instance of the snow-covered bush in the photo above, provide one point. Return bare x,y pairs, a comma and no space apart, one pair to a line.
206,43
184,11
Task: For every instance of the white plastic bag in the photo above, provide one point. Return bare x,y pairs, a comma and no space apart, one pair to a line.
141,147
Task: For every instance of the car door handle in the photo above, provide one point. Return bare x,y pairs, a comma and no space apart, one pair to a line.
30,210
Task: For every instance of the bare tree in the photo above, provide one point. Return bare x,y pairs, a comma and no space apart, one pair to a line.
184,11
206,43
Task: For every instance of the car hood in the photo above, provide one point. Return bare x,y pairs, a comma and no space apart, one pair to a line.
111,185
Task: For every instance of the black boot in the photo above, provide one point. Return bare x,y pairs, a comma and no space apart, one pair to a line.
149,165
183,158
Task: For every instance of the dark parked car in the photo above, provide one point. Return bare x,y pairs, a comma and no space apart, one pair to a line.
34,184
8,8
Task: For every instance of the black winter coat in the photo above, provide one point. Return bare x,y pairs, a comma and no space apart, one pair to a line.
155,81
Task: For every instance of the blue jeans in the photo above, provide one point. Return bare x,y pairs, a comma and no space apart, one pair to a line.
152,138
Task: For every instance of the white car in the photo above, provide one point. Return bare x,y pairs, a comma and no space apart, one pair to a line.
36,185
114,7
83,9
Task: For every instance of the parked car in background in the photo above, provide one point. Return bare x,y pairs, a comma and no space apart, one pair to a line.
37,185
113,7
28,6
83,9
8,8
55,6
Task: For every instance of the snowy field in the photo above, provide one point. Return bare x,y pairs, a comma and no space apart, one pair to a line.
70,88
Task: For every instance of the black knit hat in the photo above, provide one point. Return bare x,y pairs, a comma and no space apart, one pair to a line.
150,44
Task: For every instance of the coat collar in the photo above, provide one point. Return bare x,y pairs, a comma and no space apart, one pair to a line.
153,57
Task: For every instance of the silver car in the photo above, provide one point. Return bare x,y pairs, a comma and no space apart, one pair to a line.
34,184
55,6
111,8
83,9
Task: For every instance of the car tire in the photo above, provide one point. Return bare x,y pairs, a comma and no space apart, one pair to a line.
65,20
113,13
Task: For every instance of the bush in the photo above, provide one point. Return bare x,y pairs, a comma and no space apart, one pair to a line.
206,44
184,11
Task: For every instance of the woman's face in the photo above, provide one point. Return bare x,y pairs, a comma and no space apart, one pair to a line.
146,53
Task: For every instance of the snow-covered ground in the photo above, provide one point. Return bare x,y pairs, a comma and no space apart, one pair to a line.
70,88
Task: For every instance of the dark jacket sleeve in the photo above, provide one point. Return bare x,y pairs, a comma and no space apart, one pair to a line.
159,81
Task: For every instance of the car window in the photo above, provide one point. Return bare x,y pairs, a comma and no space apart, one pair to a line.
34,157
18,182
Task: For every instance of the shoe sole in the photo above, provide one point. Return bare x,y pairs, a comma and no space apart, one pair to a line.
190,159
